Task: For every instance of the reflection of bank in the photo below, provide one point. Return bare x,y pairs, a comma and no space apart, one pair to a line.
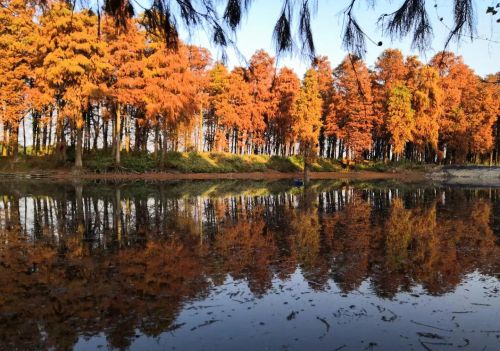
136,257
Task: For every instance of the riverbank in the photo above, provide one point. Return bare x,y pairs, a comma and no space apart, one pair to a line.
214,166
193,165
186,162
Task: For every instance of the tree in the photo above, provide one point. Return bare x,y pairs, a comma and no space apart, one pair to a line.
390,71
351,117
482,110
233,107
307,118
325,83
17,39
199,59
427,97
170,92
468,110
126,82
492,84
286,91
74,64
218,78
260,75
400,117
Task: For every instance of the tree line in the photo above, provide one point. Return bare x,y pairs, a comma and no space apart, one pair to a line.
82,83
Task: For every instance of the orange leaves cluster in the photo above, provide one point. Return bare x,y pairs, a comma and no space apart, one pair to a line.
77,72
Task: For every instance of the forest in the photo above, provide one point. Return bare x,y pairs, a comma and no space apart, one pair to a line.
73,84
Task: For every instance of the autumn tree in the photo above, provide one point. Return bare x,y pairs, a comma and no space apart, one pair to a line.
17,47
260,75
232,108
74,64
486,112
126,48
286,90
199,61
351,116
390,70
218,80
426,102
171,89
468,112
400,117
325,83
307,118
492,84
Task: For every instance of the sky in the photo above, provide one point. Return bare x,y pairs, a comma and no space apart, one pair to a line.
256,33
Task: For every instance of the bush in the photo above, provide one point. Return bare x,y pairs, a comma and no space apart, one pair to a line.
99,162
139,162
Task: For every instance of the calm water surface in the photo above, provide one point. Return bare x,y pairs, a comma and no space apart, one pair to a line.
248,266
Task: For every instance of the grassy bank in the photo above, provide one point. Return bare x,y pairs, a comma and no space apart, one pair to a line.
194,163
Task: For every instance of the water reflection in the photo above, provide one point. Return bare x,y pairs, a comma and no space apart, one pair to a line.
116,265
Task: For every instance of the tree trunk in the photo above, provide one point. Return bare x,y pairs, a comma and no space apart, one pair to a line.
14,141
105,135
34,132
96,131
163,152
24,136
50,127
200,132
61,143
117,133
79,148
44,138
5,145
157,141
127,133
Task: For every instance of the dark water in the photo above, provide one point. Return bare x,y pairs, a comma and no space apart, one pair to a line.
249,266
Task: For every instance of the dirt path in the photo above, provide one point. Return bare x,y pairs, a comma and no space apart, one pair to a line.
405,176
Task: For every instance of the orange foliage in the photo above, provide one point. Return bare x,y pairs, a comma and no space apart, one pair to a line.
84,73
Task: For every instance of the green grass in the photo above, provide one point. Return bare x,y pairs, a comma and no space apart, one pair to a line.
193,162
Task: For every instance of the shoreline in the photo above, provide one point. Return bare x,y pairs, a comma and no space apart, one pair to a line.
404,176
452,175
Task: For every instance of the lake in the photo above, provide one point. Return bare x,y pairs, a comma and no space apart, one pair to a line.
248,265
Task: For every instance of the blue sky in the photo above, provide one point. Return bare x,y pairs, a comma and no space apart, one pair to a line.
256,33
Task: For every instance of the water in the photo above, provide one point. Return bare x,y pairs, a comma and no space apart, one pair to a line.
249,266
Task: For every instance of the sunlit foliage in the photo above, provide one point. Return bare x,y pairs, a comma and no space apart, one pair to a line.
77,83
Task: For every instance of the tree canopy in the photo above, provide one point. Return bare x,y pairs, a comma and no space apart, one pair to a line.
82,85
